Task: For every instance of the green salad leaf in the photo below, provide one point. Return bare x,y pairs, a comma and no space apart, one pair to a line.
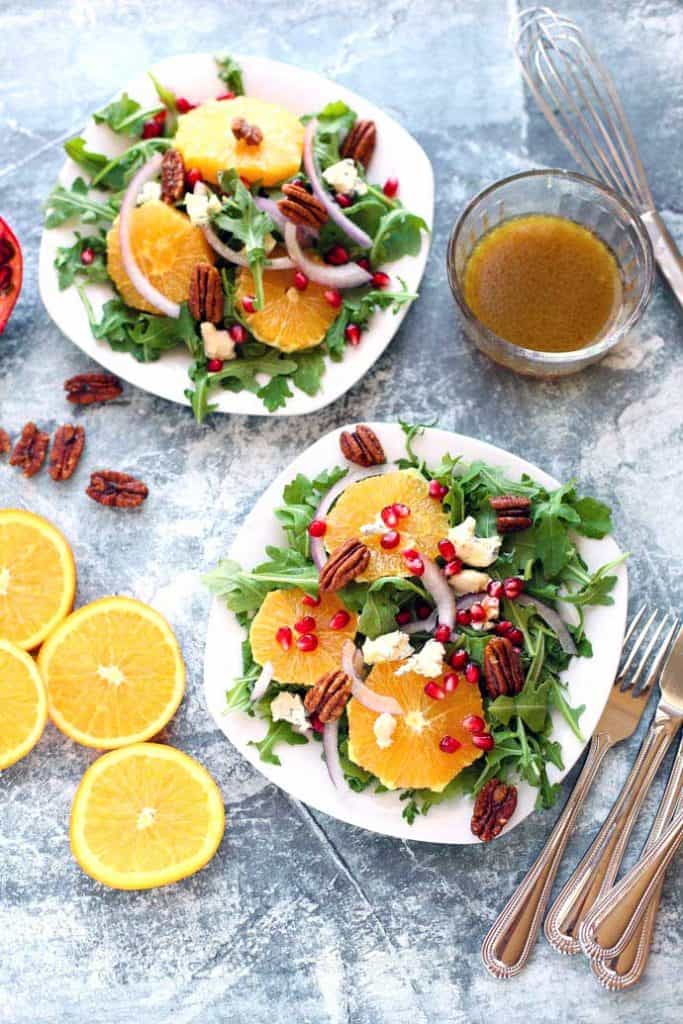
278,732
230,74
64,203
145,335
399,234
69,260
335,121
125,116
241,219
168,100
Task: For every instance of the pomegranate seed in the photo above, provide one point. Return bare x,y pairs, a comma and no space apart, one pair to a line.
183,106
401,510
311,601
245,182
516,637
423,611
391,539
484,740
513,587
192,177
389,515
340,619
343,200
305,625
411,553
160,117
463,617
435,691
352,334
300,281
390,187
447,550
449,744
214,365
226,96
454,568
334,297
442,634
474,724
416,566
472,672
503,627
478,613
450,682
151,130
403,618
459,659
307,642
316,724
364,262
380,279
87,256
337,256
317,528
437,490
494,588
249,304
238,333
284,637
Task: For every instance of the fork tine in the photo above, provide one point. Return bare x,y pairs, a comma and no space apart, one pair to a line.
637,644
633,681
634,622
657,663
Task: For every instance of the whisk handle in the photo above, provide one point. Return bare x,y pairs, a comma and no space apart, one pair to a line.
666,252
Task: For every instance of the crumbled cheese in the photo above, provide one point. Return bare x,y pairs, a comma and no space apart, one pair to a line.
217,344
491,606
289,707
427,662
150,191
384,730
374,529
388,647
476,551
345,179
470,581
200,206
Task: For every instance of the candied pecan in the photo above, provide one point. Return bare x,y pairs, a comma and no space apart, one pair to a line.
512,512
329,696
86,388
493,808
172,177
116,490
5,443
301,207
503,673
344,564
30,450
67,448
359,144
362,446
245,132
206,300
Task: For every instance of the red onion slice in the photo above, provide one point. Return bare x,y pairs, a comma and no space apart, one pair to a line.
263,682
349,275
467,600
331,748
355,233
317,548
269,206
437,585
142,285
363,694
422,625
552,619
279,263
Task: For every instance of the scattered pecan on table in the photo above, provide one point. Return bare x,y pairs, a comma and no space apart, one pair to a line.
67,448
362,446
86,388
245,132
329,696
206,301
503,672
344,564
172,177
493,808
301,207
5,443
30,450
359,144
116,490
512,513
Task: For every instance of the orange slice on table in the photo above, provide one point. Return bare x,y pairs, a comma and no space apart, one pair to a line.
283,609
413,759
205,140
167,247
23,704
114,673
37,577
144,816
362,504
290,320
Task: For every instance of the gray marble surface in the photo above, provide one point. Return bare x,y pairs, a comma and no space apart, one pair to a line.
300,918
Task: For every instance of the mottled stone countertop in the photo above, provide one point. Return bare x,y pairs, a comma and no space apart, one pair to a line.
300,918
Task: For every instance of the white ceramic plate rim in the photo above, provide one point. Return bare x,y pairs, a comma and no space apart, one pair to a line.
194,76
303,774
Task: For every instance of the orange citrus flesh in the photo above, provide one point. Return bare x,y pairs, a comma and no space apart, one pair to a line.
362,503
144,816
281,610
166,245
23,704
206,142
290,320
413,759
37,577
114,673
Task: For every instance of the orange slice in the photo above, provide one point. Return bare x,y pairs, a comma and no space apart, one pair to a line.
413,758
283,610
205,140
37,577
290,320
144,816
23,704
362,504
167,247
114,673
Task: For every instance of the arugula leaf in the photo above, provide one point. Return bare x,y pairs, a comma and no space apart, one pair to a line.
398,234
357,778
595,588
230,74
64,203
125,116
275,393
278,732
168,100
595,517
117,172
70,266
309,371
358,311
244,591
90,161
382,600
335,121
557,699
242,220
301,499
145,335
531,705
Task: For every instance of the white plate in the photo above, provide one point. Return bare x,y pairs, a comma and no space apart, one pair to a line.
303,774
194,76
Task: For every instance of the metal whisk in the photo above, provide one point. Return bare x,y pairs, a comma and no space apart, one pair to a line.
578,97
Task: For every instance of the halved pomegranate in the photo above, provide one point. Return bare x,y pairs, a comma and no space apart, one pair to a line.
11,272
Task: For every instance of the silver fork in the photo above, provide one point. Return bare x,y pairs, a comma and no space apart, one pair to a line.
509,942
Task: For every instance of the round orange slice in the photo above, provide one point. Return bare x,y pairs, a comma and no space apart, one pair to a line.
413,759
114,673
274,635
23,704
37,577
291,320
361,505
144,816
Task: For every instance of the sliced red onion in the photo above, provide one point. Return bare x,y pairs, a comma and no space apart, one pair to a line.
363,694
467,600
331,748
142,285
263,682
269,206
349,275
552,619
422,625
278,263
437,585
317,548
355,233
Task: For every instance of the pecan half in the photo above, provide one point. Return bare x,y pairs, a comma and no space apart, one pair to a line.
503,673
329,696
359,144
30,450
245,132
512,513
172,177
206,300
86,388
116,490
67,448
493,808
301,207
362,446
344,564
5,443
